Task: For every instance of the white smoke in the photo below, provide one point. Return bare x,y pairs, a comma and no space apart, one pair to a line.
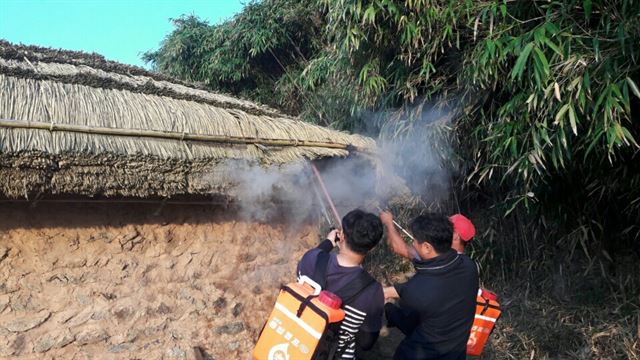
264,193
413,155
414,145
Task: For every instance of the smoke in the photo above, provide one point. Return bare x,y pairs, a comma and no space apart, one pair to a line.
265,193
413,160
415,145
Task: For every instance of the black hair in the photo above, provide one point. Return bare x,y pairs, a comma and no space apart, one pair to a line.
436,229
362,231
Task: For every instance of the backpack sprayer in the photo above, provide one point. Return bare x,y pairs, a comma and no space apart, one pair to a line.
301,324
487,313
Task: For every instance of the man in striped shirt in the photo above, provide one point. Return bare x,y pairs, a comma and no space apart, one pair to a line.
360,233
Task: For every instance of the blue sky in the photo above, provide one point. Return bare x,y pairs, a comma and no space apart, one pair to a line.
120,30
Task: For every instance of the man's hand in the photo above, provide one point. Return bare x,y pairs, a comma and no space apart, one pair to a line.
390,293
332,236
386,218
396,243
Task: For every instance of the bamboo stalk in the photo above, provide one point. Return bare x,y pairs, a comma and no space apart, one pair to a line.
161,134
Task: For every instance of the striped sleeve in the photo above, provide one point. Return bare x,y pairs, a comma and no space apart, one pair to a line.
348,329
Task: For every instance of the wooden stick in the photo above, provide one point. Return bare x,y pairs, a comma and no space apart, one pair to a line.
326,194
172,135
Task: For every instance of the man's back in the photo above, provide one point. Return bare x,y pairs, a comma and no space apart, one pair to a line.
443,293
363,313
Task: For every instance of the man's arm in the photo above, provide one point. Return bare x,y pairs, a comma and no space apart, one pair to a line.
390,292
394,239
306,266
329,243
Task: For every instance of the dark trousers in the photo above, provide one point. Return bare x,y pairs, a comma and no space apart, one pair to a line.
405,320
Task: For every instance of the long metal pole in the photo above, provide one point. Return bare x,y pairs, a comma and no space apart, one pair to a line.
398,226
326,194
322,205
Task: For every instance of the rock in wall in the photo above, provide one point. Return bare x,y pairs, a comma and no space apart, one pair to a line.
119,281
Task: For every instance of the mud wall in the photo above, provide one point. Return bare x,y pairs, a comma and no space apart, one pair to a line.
86,281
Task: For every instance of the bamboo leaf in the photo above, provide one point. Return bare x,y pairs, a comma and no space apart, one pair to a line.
561,113
503,10
539,35
611,137
628,135
369,15
545,136
543,59
513,206
592,144
616,90
582,100
521,62
551,28
572,119
586,4
601,98
553,47
634,87
587,80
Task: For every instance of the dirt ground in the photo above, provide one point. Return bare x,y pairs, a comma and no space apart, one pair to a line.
126,281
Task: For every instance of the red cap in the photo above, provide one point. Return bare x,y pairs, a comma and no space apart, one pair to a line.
463,226
330,299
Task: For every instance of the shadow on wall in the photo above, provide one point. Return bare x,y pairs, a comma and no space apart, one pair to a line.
65,213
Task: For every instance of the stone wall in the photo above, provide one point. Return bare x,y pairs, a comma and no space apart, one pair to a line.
93,281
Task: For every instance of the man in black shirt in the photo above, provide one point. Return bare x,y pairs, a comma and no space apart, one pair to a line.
438,302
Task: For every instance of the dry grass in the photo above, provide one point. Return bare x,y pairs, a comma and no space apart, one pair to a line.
61,103
535,325
93,70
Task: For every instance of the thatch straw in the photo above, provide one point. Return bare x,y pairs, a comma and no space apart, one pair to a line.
58,104
84,75
133,135
93,70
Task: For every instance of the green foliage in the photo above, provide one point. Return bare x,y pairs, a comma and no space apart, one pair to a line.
548,113
258,54
546,91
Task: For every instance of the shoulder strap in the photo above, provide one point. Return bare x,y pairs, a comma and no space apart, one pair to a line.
348,292
320,272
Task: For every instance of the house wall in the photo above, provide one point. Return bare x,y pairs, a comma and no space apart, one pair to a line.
124,281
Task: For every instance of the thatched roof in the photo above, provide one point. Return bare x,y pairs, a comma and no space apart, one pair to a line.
75,123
